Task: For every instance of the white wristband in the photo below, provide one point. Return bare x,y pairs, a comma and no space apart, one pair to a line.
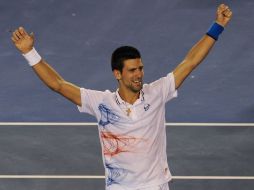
32,57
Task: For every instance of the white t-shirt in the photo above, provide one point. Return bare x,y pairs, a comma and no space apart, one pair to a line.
133,137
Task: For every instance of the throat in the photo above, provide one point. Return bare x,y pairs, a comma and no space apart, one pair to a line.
128,97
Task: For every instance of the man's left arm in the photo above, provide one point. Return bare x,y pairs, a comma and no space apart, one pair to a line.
200,50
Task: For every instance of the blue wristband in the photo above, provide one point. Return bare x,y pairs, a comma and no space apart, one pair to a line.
215,31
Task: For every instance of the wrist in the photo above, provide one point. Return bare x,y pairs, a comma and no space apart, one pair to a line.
215,30
220,23
32,57
25,51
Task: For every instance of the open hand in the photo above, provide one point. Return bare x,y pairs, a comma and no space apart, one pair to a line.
24,42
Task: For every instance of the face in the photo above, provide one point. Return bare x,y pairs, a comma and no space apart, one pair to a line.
132,74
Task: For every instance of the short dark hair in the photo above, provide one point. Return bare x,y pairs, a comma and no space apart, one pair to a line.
121,54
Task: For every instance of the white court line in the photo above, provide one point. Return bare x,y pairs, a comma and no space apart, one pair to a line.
47,124
103,177
95,124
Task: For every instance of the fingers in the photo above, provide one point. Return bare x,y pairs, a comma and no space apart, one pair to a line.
227,13
222,7
224,10
18,34
13,40
22,31
23,41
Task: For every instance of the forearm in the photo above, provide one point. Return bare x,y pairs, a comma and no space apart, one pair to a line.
193,58
55,82
199,51
24,43
48,75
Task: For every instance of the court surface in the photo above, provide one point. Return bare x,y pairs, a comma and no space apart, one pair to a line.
77,39
67,156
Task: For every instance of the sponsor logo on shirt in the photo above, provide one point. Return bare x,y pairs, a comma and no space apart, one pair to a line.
146,107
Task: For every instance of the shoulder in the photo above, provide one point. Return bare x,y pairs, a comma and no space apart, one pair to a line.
162,87
95,95
86,91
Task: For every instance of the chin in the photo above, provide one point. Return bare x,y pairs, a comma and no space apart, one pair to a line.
137,89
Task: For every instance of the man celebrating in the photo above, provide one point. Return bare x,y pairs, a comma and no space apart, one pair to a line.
131,121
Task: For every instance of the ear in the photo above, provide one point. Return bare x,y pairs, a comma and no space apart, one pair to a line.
117,74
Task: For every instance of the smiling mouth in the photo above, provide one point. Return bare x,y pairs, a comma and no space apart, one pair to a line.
137,82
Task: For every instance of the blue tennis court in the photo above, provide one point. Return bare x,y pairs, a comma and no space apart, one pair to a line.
210,125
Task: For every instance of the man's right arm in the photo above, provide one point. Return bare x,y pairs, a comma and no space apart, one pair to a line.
24,42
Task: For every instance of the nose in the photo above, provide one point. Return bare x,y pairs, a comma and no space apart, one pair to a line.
139,73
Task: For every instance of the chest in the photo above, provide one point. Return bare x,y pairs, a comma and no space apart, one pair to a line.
125,118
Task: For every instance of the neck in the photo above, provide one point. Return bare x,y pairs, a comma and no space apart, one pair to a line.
128,96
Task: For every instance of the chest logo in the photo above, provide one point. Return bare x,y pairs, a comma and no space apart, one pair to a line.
107,116
146,107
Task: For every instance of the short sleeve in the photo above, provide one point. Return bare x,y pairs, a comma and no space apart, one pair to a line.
90,100
165,87
169,87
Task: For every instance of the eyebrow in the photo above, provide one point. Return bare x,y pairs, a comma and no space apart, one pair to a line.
132,69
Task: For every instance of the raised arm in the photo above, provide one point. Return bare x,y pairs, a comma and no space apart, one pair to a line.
200,50
24,42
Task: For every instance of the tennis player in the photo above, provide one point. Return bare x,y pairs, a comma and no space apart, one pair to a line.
131,120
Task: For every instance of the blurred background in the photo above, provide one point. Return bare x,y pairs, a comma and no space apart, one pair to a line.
77,38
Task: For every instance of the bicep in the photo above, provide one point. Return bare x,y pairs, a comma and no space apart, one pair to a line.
55,82
71,92
181,72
